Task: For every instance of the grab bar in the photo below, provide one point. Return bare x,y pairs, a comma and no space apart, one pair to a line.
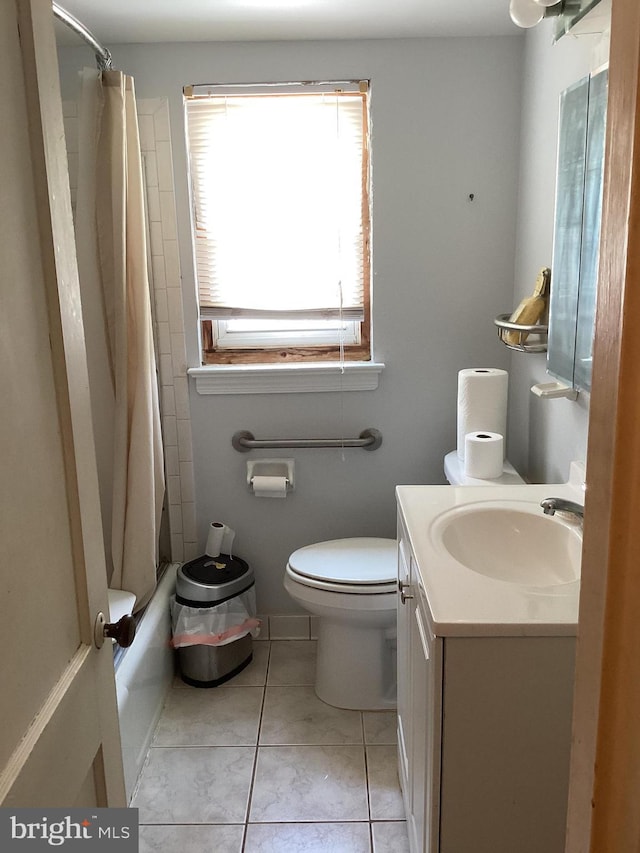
244,441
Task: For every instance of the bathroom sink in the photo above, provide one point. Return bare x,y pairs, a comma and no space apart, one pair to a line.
511,541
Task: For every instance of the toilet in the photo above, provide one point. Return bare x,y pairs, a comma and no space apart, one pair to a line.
351,585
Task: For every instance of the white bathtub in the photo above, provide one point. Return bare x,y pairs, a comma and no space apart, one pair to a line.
143,677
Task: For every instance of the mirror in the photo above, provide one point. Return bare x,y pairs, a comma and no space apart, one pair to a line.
577,230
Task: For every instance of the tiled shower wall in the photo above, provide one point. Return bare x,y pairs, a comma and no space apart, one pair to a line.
165,283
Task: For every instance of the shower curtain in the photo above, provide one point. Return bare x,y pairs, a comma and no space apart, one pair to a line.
112,262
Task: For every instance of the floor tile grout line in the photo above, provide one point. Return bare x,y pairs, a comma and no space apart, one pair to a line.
136,787
206,746
366,779
288,745
304,822
255,757
276,822
366,776
147,757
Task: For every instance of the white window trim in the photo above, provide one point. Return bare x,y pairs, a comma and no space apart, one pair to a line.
299,378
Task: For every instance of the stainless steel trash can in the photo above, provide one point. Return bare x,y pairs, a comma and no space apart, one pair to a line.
207,582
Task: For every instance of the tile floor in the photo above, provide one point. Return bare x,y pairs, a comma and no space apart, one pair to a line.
261,764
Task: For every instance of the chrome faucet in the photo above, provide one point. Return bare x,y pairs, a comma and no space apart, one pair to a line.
552,505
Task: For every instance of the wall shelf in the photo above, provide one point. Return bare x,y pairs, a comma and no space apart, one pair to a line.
522,338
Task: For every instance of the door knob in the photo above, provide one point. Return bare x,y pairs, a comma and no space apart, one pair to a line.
123,631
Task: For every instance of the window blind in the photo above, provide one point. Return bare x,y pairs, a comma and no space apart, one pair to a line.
279,207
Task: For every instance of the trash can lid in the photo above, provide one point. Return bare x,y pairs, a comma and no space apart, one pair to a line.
213,571
207,581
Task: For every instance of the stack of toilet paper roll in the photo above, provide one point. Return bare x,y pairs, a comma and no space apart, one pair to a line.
482,421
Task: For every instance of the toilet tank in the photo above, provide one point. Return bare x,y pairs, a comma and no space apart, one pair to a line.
454,472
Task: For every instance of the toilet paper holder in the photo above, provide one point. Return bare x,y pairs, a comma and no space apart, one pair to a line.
272,468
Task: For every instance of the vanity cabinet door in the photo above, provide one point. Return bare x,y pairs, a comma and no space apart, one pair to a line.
419,706
404,686
426,716
506,736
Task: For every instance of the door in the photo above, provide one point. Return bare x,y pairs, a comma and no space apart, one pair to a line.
59,741
604,791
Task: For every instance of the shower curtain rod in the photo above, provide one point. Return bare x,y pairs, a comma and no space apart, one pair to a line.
103,56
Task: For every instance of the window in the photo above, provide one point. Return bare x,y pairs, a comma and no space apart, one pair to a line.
280,196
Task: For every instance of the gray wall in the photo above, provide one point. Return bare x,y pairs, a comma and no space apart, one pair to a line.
445,123
544,435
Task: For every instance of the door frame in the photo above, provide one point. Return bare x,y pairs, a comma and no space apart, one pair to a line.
604,791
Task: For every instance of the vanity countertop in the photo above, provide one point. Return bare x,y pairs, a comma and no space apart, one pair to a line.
463,602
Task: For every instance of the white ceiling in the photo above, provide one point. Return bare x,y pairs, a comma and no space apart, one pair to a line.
133,21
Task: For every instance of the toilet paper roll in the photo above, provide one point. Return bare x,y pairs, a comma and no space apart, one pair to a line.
482,403
269,487
483,455
219,540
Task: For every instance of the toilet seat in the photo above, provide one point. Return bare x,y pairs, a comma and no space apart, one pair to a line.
360,566
342,588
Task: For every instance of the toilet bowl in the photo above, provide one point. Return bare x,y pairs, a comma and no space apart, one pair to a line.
350,584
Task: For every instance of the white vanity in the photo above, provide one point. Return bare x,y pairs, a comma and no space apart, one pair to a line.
487,618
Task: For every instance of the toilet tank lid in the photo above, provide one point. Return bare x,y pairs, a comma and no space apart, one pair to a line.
454,472
364,560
